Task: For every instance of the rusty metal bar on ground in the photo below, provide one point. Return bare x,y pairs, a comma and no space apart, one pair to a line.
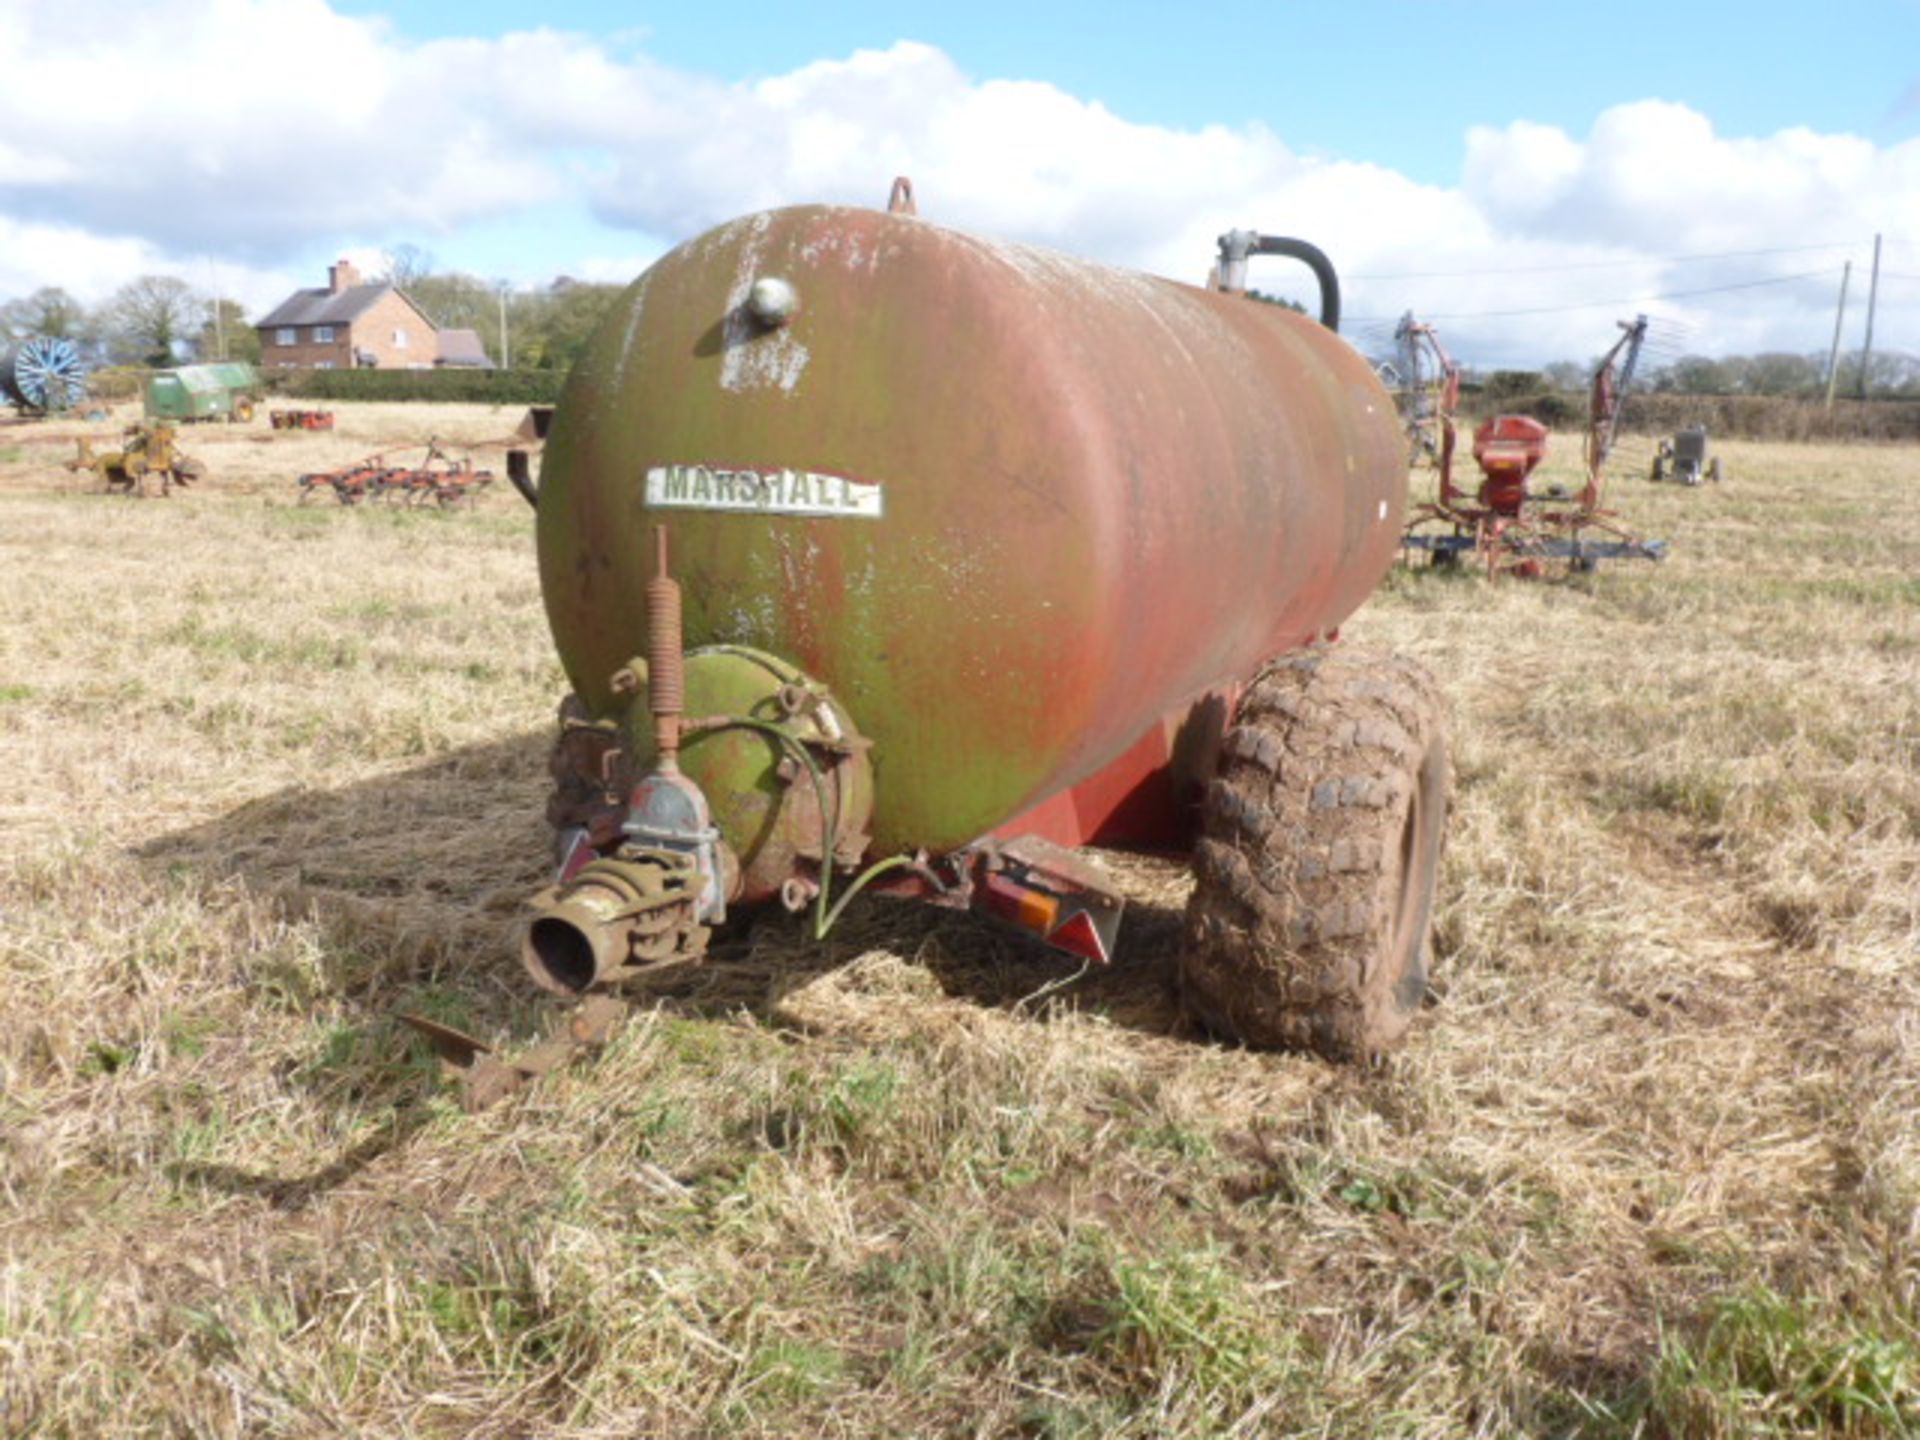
485,1079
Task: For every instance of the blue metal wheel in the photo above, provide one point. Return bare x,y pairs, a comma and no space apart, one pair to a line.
44,374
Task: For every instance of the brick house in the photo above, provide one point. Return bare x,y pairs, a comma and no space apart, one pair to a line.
349,324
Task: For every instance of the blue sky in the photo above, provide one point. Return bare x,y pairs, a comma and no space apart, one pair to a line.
1394,83
1538,157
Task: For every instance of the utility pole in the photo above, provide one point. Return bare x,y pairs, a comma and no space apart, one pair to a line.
1839,317
219,321
1873,294
506,352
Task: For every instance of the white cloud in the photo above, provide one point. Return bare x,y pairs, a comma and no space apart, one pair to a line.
613,269
246,125
276,128
1654,179
1654,174
1517,174
88,266
91,267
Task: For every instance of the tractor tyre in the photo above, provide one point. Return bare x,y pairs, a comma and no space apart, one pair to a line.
1320,845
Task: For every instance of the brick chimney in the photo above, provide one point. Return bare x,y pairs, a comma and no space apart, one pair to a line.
342,276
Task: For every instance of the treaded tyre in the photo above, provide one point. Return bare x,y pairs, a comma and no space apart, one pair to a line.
1320,844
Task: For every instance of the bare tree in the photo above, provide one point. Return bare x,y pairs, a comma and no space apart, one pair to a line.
146,316
407,266
48,311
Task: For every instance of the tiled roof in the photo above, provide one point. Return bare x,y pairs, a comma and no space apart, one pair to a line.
323,307
463,347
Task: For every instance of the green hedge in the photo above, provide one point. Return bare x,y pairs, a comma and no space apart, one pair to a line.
117,382
1768,417
1728,417
494,387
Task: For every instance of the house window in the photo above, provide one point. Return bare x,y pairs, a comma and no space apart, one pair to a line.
323,364
323,334
286,335
399,339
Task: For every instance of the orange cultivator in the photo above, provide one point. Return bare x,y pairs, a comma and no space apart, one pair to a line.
439,480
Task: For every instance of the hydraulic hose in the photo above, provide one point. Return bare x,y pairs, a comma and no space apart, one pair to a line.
1315,259
1236,246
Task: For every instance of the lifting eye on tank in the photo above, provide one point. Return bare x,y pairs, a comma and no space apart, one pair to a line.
772,301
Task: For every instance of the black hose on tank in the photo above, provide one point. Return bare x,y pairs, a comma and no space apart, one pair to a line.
1237,245
1315,259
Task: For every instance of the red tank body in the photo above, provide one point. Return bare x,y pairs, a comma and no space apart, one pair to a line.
1019,511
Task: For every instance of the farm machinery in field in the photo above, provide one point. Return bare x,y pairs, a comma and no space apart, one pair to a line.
1428,391
1514,522
43,375
883,558
148,454
438,479
186,394
1684,459
300,419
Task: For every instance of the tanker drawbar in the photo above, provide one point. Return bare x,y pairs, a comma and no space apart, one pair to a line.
884,558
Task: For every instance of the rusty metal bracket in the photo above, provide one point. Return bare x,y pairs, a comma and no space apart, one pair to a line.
485,1079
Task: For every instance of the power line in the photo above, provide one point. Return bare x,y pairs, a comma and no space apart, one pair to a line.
1600,304
1600,264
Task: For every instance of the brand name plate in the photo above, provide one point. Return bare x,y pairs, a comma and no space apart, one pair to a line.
769,492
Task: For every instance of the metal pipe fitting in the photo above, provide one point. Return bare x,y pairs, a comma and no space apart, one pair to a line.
587,930
1236,246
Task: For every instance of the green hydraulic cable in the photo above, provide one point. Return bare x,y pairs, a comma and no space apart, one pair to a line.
823,919
829,806
859,883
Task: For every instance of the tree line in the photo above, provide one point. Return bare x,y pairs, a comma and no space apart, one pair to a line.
158,320
1890,374
161,320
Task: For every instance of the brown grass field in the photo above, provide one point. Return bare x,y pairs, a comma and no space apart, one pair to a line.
1649,1165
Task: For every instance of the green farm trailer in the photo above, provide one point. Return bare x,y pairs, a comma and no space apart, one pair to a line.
224,391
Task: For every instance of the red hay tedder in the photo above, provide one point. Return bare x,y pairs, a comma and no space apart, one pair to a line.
1515,523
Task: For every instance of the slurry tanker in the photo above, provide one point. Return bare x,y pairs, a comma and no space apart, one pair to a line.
887,558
